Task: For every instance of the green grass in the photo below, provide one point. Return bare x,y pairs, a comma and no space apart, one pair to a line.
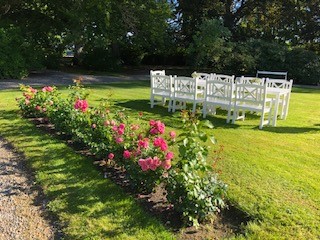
89,206
273,174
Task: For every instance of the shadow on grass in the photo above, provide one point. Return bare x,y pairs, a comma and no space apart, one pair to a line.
75,188
292,130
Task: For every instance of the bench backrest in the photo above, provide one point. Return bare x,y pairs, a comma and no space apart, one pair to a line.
277,75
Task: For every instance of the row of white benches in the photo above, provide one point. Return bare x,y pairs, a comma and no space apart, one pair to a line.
236,95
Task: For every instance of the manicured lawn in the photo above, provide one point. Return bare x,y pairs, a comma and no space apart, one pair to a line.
273,174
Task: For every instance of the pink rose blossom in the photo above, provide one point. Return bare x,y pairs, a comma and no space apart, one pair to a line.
94,125
110,156
27,101
112,123
115,128
106,123
126,154
144,143
120,131
172,134
81,104
143,164
38,108
166,164
33,90
119,140
169,155
157,127
47,89
44,109
152,122
161,143
122,126
154,163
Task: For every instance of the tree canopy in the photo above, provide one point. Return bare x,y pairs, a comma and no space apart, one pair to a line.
116,32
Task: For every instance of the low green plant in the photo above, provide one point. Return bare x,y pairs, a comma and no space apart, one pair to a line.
192,186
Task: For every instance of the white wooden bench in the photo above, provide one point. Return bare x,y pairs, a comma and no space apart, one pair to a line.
270,74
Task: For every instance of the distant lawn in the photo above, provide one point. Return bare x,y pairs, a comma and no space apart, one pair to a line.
273,174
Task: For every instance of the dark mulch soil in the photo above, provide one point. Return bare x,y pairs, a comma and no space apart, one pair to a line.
231,221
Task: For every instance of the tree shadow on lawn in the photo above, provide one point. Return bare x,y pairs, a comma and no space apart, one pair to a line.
292,130
174,119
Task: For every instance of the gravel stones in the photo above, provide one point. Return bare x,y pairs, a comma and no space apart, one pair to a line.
22,212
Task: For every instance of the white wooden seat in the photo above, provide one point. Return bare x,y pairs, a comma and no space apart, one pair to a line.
252,97
186,90
161,86
219,93
282,91
251,80
223,78
276,75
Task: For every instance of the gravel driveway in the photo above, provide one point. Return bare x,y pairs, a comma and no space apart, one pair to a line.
57,78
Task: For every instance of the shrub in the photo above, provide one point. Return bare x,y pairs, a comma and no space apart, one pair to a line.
193,187
143,151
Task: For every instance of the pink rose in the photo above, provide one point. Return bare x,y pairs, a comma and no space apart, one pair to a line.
38,108
106,123
172,134
126,154
122,126
47,89
93,125
110,156
121,131
154,163
143,164
161,143
81,104
119,140
166,164
169,155
144,143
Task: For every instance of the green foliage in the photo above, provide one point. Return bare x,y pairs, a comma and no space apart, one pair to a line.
303,66
209,44
193,187
100,59
12,62
142,151
17,55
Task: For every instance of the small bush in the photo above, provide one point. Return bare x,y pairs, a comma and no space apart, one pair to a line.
193,187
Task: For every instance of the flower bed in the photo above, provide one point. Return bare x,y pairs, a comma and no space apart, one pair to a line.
143,151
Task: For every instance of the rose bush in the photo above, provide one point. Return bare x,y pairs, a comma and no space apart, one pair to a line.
143,151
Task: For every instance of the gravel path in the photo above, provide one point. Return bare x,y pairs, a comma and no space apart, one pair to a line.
57,78
22,211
